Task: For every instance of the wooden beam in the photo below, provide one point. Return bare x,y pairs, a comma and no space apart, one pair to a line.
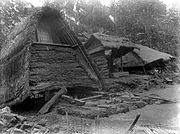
51,44
91,97
73,101
48,105
133,124
121,64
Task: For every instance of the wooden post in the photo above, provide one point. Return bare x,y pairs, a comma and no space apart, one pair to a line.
121,64
67,122
48,105
144,70
133,124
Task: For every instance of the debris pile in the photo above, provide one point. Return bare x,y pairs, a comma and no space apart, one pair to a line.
11,123
152,130
104,104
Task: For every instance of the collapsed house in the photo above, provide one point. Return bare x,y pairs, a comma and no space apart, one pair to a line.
104,49
43,54
120,52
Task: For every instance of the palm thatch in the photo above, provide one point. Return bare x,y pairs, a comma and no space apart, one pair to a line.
41,54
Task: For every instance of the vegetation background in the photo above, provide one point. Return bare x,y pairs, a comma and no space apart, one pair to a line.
147,22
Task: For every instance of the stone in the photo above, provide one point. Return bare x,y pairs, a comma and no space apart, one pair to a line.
140,104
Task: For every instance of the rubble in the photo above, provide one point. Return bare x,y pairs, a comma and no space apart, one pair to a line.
152,130
11,123
107,103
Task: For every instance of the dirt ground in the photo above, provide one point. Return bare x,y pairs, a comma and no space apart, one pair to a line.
114,112
156,115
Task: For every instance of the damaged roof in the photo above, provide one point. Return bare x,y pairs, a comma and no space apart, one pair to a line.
133,54
149,55
109,41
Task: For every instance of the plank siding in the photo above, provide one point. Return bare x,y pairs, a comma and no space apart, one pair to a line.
52,67
97,52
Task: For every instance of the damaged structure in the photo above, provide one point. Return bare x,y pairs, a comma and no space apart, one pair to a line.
104,49
122,53
43,54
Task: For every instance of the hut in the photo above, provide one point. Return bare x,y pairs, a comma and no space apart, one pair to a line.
104,49
43,54
107,51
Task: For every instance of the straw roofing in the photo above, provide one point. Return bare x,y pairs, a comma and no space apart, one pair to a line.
109,41
23,33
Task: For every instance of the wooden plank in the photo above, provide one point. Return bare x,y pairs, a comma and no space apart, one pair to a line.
120,74
134,123
158,98
48,105
73,101
51,44
91,97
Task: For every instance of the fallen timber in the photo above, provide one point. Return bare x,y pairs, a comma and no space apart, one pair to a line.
77,102
48,105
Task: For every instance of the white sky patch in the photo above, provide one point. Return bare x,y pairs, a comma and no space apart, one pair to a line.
169,3
37,3
172,3
112,18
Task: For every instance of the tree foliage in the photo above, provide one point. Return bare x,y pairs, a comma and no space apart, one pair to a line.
147,22
11,12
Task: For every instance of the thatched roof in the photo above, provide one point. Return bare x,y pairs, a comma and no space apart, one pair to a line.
149,55
144,56
109,41
23,33
133,54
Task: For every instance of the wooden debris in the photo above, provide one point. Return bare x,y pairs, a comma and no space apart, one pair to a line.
104,106
91,97
120,74
48,105
134,123
73,101
165,100
168,80
152,130
154,97
100,92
